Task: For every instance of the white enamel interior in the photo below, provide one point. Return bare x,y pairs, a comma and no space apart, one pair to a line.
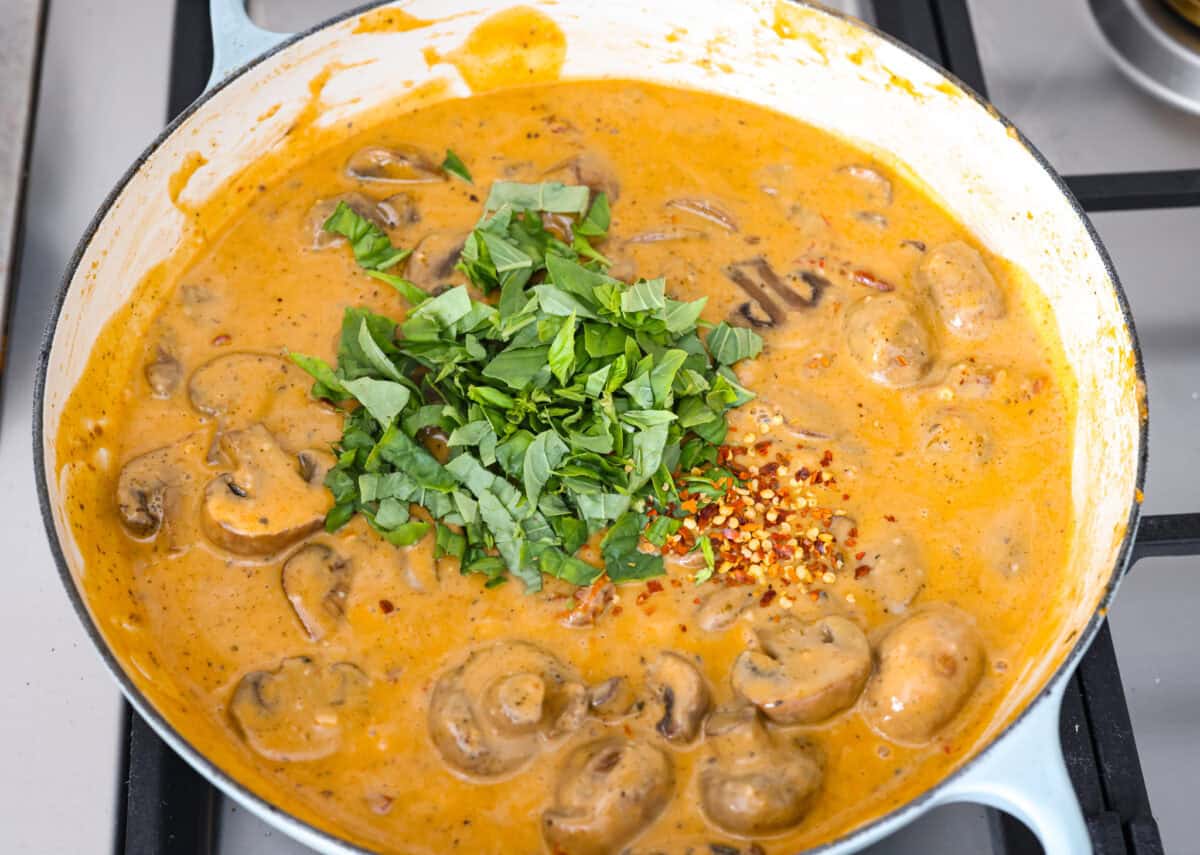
838,76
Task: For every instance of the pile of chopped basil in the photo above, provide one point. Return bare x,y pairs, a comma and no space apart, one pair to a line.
568,402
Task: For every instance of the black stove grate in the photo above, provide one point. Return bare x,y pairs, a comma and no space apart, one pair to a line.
166,807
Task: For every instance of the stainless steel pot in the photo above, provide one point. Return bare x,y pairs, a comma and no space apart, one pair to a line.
801,60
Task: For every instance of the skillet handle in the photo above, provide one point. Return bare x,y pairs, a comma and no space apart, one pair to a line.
236,39
1024,774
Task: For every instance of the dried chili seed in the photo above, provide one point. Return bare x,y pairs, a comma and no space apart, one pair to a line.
863,277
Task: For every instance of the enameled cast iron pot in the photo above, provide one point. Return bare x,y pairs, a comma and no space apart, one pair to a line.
833,73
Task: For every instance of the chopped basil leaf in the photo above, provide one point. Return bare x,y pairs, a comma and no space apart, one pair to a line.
730,344
566,402
453,165
372,248
553,197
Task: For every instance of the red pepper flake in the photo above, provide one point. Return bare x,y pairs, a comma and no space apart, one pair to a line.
862,277
767,597
683,627
616,610
763,447
642,597
826,458
707,512
802,474
858,556
675,583
768,469
386,607
654,586
861,570
889,518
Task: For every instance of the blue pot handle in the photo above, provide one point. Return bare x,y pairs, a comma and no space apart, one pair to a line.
1024,774
236,39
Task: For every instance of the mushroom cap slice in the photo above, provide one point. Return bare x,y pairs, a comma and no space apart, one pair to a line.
888,340
724,606
239,388
963,289
753,782
682,695
316,581
929,664
805,672
433,258
897,570
266,504
150,486
492,714
297,711
401,164
608,792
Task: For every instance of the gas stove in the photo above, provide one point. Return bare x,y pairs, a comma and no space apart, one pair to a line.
1132,160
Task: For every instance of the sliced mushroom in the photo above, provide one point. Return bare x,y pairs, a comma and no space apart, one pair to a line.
492,714
706,209
804,672
756,277
613,700
753,782
433,259
876,187
316,581
322,209
952,435
896,570
163,374
239,388
200,304
393,165
681,695
754,314
721,608
963,289
872,218
591,603
608,792
888,340
589,168
297,712
929,664
399,210
667,234
265,504
150,485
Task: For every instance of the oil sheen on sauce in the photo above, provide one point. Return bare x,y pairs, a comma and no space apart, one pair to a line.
988,503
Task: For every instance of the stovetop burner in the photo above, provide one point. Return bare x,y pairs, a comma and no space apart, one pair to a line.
166,807
1156,44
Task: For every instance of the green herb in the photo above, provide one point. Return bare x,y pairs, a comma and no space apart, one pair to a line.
453,165
566,401
372,247
552,197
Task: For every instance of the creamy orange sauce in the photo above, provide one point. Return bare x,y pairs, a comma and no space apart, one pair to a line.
988,506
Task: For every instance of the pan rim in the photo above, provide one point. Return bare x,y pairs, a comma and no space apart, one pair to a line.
313,835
